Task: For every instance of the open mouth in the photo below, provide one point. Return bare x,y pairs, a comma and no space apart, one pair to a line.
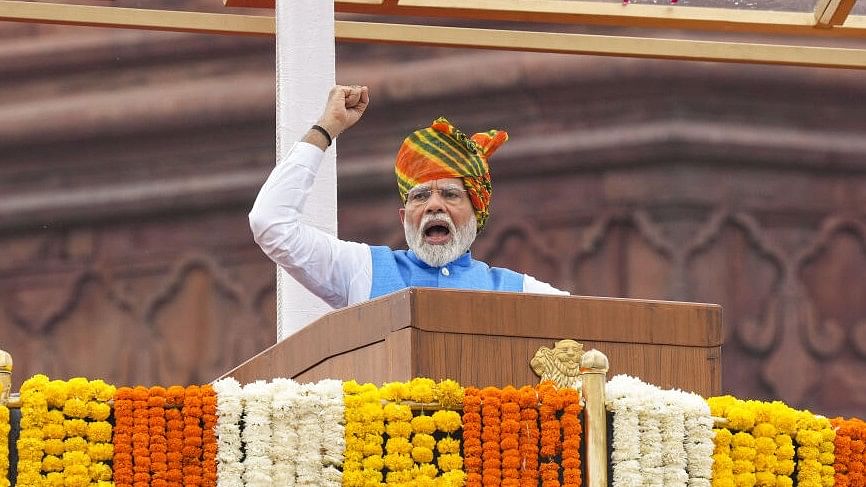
437,233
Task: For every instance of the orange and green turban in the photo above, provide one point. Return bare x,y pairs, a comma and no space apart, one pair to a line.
442,151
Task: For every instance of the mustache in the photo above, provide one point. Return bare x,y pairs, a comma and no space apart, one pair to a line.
439,218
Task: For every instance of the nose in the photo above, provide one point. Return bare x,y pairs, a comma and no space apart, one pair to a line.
436,203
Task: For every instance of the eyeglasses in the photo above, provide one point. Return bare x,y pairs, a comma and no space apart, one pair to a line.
421,195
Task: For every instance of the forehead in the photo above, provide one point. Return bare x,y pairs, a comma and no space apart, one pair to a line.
442,183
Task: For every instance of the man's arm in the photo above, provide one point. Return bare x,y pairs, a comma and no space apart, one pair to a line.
338,272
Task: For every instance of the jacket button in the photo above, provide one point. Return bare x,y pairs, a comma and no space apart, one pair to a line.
445,271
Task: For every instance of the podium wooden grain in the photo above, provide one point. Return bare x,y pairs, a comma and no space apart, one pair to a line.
488,338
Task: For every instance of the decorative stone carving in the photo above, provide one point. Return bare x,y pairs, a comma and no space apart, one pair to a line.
561,365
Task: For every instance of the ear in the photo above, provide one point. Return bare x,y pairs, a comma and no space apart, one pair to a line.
402,213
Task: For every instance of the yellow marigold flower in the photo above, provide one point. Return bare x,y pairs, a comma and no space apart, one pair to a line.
55,416
54,431
453,478
398,445
76,459
744,480
422,481
743,440
54,446
75,444
424,441
399,429
765,446
809,438
75,408
422,455
52,463
99,471
397,412
427,470
99,431
394,391
764,430
53,479
75,427
372,477
784,480
449,393
423,424
765,479
372,448
807,452
98,411
447,421
374,462
743,466
450,462
398,462
101,391
448,445
421,389
371,412
35,383
719,405
80,388
723,437
826,447
101,452
741,418
784,467
56,393
400,477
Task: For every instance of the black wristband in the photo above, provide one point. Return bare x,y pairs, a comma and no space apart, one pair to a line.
324,132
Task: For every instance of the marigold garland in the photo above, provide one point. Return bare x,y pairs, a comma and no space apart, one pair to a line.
123,428
510,440
192,436
140,438
551,434
64,433
4,445
529,436
491,470
174,436
158,442
814,437
472,445
362,462
850,443
209,447
571,435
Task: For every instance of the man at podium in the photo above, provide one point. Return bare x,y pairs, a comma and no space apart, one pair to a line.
444,182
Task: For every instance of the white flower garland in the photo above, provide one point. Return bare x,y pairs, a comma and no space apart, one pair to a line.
285,442
292,435
228,432
660,437
257,435
333,421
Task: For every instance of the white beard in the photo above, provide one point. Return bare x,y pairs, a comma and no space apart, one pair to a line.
439,255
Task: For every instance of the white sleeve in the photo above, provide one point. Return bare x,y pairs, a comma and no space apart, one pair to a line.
337,271
533,285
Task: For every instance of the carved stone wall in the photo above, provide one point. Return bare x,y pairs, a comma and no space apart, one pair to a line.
128,162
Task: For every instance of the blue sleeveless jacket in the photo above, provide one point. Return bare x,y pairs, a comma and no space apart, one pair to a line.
398,269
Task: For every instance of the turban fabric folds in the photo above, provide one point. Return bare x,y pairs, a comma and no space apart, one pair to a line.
442,151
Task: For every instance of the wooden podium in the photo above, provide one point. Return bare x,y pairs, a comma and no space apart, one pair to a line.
488,338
